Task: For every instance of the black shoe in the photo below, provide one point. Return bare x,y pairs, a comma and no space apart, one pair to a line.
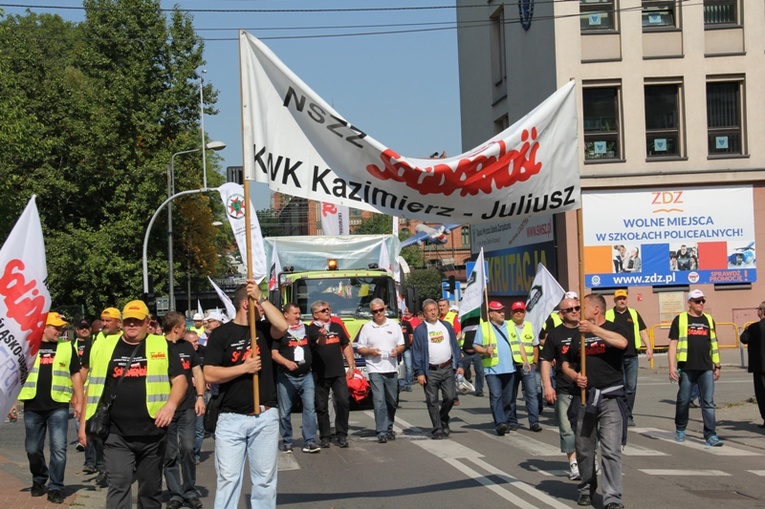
536,428
438,435
89,469
447,430
194,503
382,439
342,442
391,435
174,504
614,505
56,496
502,429
584,500
102,480
324,443
38,490
479,394
512,427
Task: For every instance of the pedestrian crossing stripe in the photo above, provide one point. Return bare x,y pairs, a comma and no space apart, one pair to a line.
693,443
684,473
761,473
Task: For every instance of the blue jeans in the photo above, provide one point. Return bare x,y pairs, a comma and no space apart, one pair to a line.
56,422
384,394
529,385
631,366
501,397
474,359
257,436
408,367
179,465
705,379
287,388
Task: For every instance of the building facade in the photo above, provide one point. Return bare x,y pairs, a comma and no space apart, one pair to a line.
670,105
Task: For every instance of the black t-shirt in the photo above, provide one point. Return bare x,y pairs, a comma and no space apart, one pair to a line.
42,402
408,331
604,362
699,343
556,349
548,326
81,345
189,359
228,345
129,415
624,320
201,349
327,356
85,357
286,347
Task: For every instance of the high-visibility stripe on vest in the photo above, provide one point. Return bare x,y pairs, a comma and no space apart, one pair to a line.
682,339
527,339
611,316
61,390
557,320
157,379
489,337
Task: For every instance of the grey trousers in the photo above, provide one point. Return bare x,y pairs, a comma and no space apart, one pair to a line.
606,427
443,380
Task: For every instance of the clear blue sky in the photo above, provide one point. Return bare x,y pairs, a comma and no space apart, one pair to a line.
400,88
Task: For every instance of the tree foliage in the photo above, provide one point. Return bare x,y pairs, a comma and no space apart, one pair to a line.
427,282
91,115
376,224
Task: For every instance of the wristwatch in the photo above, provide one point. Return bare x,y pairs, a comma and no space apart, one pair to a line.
262,299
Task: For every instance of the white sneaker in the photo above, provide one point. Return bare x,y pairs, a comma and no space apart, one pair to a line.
574,474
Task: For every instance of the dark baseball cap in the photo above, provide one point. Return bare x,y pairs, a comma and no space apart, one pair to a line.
83,324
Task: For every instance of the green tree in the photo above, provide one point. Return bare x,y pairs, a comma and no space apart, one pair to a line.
376,224
427,282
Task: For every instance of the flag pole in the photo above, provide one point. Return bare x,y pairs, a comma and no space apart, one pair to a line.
248,244
582,346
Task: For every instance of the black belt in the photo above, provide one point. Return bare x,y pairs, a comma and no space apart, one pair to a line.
440,366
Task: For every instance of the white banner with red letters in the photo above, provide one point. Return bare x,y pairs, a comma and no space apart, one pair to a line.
299,145
24,303
335,219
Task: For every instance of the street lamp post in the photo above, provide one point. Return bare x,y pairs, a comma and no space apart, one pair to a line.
213,145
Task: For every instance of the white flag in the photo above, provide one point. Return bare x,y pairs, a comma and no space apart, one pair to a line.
232,195
384,261
544,295
274,271
335,219
24,303
230,309
472,297
199,308
299,145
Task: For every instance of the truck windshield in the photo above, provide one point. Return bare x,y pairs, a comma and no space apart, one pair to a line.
347,296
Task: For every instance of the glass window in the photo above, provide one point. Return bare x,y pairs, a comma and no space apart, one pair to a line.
658,14
596,15
724,126
721,12
662,120
465,236
602,121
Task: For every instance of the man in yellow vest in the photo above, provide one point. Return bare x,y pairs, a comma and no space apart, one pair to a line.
525,345
53,383
143,377
694,358
634,330
492,341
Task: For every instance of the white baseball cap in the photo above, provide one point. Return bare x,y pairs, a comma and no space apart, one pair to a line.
197,316
216,315
571,295
696,294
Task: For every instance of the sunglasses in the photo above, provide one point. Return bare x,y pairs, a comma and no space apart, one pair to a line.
698,301
381,310
325,310
571,310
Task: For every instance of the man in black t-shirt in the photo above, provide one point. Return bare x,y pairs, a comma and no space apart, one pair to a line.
329,343
604,416
143,377
240,431
557,343
294,379
694,358
52,384
180,465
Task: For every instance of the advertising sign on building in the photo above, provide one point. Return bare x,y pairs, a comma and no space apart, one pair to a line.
669,236
513,249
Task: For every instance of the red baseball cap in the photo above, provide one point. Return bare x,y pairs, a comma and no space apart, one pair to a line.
518,305
496,306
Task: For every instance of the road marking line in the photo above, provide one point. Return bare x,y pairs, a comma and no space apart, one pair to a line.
694,443
761,473
685,473
527,444
491,485
637,450
288,461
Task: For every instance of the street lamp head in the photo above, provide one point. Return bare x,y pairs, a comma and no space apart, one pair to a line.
217,223
216,145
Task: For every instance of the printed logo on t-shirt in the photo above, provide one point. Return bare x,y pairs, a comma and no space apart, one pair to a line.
698,329
436,336
294,343
332,338
137,368
595,346
46,358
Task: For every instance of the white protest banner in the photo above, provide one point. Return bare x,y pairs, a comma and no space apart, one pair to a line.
335,219
24,303
232,195
472,297
230,309
545,294
299,145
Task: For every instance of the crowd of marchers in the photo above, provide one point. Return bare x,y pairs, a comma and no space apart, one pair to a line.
152,385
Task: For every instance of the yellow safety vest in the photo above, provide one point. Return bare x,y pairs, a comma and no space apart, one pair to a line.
527,339
682,340
61,379
611,316
157,379
489,339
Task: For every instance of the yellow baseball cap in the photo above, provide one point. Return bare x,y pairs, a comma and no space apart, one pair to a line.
111,313
135,309
620,293
56,320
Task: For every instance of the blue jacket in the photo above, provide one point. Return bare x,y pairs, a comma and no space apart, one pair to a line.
420,354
